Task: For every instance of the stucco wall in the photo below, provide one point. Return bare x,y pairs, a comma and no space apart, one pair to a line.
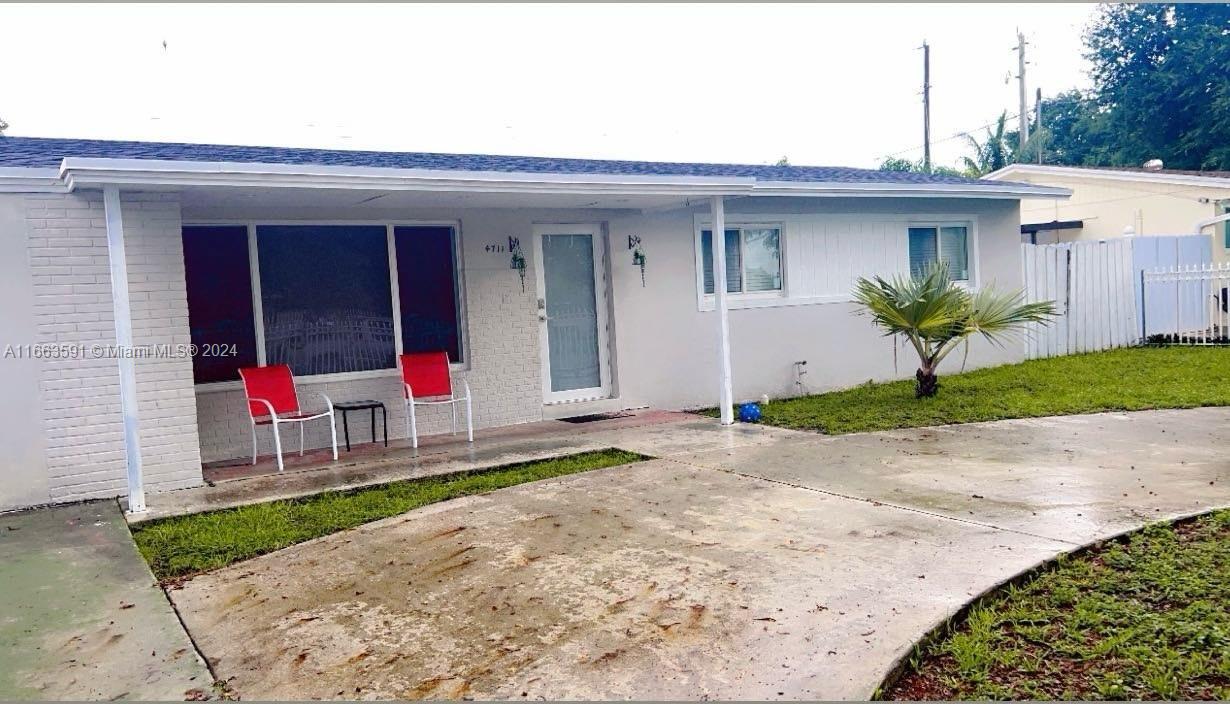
24,480
667,346
1107,206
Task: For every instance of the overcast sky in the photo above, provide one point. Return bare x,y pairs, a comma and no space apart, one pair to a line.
820,84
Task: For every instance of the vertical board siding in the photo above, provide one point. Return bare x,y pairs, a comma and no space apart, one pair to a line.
1091,284
825,255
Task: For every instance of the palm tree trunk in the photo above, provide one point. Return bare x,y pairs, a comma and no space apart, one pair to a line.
926,383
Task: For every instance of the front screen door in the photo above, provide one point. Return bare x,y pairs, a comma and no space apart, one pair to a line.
572,312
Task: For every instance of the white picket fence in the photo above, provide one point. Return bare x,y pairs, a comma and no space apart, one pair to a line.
1187,305
1093,287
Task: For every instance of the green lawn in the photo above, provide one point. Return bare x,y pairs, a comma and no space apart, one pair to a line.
186,545
1144,618
1120,380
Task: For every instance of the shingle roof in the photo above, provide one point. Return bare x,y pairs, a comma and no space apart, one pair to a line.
48,153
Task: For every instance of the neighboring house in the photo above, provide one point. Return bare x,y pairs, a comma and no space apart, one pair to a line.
335,261
1117,201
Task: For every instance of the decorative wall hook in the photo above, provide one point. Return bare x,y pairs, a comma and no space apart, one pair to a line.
638,255
517,261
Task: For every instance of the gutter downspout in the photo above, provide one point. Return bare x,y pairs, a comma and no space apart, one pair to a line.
717,211
122,308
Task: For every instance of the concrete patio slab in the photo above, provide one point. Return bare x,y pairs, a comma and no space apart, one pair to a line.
654,433
747,563
82,617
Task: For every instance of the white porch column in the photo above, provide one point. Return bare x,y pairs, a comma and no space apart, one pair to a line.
717,211
123,339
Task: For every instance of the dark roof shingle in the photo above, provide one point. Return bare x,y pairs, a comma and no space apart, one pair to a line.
42,152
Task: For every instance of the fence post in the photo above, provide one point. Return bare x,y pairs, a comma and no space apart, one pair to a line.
1144,309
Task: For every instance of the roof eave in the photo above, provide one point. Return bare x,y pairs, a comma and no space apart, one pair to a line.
80,172
909,190
76,172
1108,174
20,179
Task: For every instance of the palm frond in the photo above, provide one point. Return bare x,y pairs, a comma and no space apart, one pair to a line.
935,314
996,315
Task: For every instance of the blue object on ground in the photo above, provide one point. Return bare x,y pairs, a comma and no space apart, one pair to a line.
749,413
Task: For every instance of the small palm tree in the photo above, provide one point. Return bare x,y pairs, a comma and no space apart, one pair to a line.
935,315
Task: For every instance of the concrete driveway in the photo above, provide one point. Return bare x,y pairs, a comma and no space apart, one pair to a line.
81,616
745,563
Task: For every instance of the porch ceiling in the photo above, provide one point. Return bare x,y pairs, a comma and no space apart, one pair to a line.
204,202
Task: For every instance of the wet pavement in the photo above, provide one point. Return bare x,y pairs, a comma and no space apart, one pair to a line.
81,615
237,482
746,562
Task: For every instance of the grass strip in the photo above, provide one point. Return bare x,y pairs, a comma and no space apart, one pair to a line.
1144,617
182,546
1129,379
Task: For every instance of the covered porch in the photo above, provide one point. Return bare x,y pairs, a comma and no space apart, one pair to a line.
338,281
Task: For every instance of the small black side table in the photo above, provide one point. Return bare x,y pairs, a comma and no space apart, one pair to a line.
363,406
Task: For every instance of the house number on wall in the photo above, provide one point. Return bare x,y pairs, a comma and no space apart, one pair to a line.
495,249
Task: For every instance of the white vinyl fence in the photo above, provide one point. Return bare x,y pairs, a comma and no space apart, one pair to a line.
1187,305
1093,287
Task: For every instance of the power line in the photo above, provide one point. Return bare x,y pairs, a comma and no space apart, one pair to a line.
951,137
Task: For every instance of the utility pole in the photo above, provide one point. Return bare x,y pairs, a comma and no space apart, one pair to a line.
1023,117
1038,121
926,107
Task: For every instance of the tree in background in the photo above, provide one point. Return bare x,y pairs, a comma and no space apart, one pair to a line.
892,163
3,126
1073,131
1161,91
1162,79
991,154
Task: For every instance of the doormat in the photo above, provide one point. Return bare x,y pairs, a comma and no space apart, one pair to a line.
592,417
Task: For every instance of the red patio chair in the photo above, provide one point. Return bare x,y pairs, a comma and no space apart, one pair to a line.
425,375
273,400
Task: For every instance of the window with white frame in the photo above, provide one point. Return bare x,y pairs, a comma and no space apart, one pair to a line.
930,244
753,259
326,296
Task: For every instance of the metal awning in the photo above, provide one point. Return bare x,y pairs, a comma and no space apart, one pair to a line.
1052,225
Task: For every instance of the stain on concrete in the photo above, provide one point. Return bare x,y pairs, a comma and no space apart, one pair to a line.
747,563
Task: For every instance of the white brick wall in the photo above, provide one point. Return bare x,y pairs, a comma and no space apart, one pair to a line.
503,366
166,396
71,278
81,409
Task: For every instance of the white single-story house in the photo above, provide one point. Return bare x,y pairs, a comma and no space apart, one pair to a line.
1111,202
558,287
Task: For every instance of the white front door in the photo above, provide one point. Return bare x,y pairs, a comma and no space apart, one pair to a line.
572,312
